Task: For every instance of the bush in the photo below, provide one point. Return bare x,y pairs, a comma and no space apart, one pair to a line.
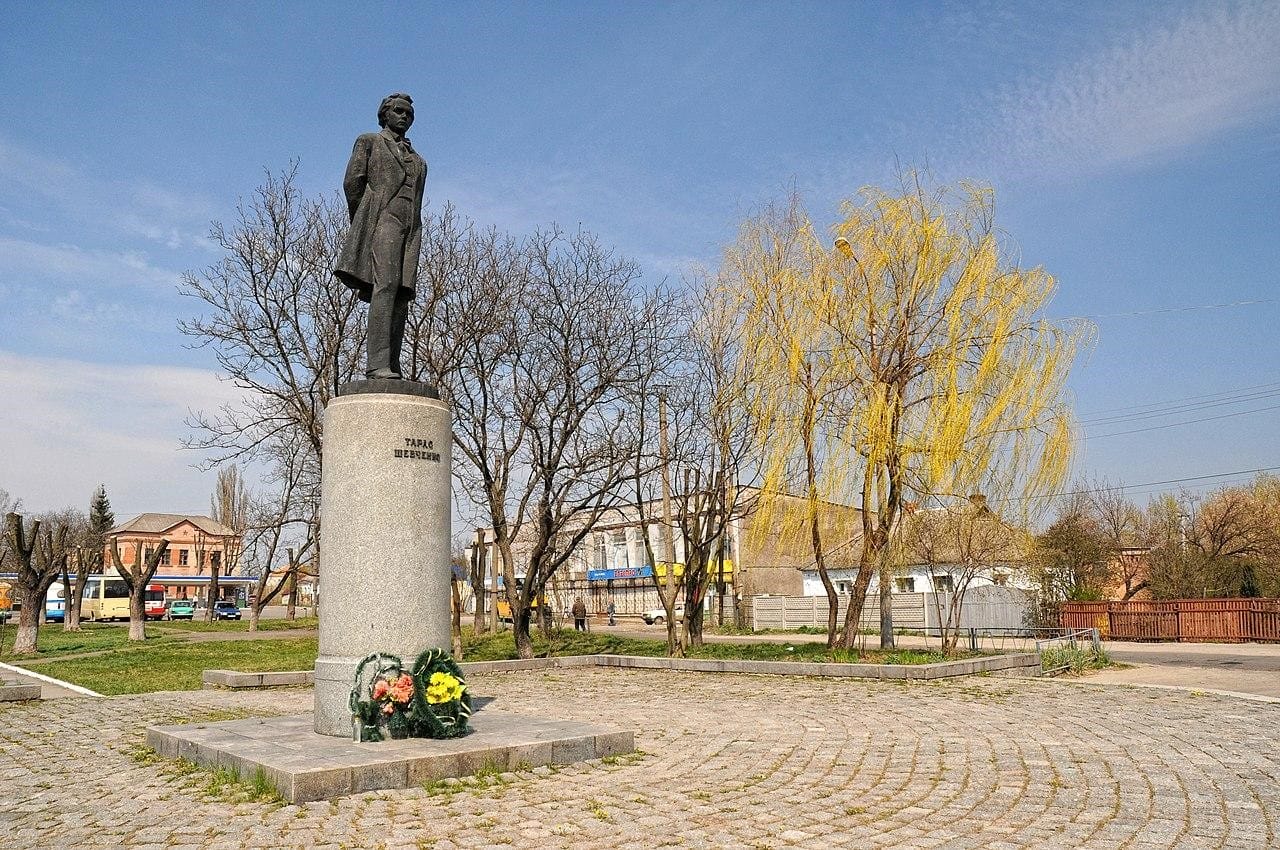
1073,658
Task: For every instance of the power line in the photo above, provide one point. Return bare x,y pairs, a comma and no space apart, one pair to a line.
1187,422
1161,310
1108,411
1179,408
1145,484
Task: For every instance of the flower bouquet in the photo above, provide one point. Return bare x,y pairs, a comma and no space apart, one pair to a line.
430,700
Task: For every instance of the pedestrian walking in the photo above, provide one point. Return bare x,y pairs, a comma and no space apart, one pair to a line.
579,614
612,609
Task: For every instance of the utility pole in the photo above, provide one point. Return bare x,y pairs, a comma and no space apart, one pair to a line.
477,581
492,558
668,544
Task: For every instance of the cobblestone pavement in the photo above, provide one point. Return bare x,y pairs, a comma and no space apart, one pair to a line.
729,761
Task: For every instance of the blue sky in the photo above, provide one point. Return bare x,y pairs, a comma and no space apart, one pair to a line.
1134,149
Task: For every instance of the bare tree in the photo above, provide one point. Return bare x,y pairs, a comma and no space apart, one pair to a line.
38,554
282,328
75,525
1215,548
719,451
89,555
455,606
228,506
201,552
964,542
550,340
1120,522
282,528
649,473
146,561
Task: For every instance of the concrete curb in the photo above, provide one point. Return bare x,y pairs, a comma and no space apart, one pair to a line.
1184,688
48,680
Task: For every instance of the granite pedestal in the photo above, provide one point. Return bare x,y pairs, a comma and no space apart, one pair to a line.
305,766
384,531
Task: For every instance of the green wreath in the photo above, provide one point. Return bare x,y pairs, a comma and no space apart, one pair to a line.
381,707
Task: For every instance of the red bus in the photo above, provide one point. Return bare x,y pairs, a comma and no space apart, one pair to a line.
153,602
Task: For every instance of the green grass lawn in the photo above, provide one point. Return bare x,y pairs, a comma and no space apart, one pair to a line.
272,625
172,665
169,663
53,641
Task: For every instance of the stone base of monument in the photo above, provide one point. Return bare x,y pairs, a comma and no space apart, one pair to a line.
305,766
384,528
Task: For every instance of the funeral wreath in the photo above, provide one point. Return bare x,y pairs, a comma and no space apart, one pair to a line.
428,700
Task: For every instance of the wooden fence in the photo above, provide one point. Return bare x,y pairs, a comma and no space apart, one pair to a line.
1231,620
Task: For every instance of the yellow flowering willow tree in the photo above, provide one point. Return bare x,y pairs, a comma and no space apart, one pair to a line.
906,357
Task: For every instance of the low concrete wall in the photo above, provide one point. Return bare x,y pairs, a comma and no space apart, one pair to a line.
1014,664
14,692
236,680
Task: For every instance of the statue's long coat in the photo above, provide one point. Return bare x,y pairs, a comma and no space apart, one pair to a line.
374,175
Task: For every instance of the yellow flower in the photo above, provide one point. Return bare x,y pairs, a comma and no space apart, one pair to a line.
443,687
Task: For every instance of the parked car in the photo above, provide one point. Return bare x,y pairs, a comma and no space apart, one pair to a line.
658,616
181,609
225,609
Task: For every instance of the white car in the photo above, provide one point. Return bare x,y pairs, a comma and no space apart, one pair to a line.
658,616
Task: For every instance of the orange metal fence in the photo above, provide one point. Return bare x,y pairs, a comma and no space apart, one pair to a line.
1180,619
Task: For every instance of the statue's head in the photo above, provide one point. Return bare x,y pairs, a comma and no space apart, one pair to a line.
395,110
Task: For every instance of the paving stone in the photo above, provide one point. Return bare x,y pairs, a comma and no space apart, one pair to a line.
730,760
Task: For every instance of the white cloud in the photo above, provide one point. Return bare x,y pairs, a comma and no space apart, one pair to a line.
1147,97
67,425
73,265
133,207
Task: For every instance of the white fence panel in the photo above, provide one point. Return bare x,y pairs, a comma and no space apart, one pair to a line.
989,607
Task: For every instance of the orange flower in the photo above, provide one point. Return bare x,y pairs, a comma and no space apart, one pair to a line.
380,689
389,707
401,690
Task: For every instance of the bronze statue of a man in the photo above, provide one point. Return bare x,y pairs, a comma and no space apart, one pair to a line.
384,185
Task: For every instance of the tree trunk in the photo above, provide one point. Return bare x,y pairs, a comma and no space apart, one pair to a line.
255,614
833,603
478,622
455,630
857,600
138,612
70,611
520,627
213,591
694,617
886,610
75,603
28,623
815,530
